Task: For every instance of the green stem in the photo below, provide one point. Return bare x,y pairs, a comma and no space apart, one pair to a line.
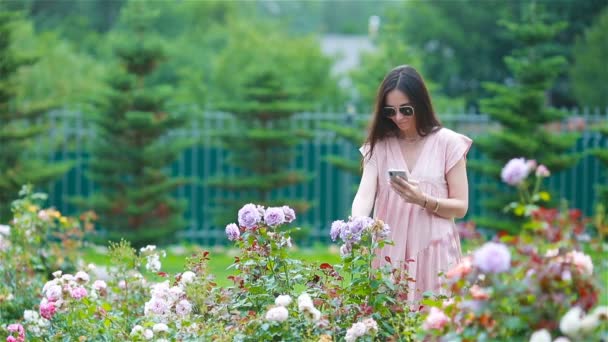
287,276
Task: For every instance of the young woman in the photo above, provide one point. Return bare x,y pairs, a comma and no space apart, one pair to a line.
420,208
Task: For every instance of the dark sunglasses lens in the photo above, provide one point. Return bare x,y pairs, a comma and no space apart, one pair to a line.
407,110
388,112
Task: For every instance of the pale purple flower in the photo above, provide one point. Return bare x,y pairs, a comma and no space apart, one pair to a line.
346,249
290,214
274,216
336,228
232,232
352,230
148,334
492,258
157,306
78,292
249,216
516,170
542,171
183,308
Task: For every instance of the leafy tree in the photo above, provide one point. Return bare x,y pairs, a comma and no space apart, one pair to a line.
464,44
263,78
134,143
521,110
589,73
22,126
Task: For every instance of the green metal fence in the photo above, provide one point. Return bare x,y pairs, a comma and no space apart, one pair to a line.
331,190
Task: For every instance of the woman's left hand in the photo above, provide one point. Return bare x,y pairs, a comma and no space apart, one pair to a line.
408,190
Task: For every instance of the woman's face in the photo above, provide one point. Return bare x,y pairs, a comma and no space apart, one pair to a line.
399,102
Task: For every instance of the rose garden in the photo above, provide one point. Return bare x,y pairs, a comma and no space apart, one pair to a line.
540,285
184,170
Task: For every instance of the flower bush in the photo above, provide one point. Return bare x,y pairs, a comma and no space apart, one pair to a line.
35,243
529,286
535,286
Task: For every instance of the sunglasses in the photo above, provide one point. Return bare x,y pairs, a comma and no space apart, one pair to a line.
406,110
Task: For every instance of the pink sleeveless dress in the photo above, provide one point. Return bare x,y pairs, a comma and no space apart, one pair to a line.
424,243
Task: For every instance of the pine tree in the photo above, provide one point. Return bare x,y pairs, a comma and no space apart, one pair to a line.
133,146
522,113
20,126
261,146
354,134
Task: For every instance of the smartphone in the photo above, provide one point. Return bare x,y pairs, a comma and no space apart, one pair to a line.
394,173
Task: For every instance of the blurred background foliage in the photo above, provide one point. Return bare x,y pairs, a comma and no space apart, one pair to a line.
457,44
332,53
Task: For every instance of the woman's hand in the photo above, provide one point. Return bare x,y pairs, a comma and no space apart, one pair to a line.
408,190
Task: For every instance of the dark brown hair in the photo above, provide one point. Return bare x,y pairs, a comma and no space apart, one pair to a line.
406,79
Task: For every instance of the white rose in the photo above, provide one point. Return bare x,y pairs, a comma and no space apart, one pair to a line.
283,300
542,335
277,314
570,324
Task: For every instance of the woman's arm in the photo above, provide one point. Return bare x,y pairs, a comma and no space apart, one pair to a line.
364,199
457,203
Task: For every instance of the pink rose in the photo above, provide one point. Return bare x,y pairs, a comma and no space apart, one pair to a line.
582,262
78,292
47,309
462,269
435,320
542,171
479,293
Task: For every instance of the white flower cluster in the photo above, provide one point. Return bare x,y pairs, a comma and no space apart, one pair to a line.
575,323
152,259
35,324
168,301
367,326
306,306
160,329
5,231
279,312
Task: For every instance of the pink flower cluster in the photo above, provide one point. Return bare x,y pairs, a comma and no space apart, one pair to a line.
65,288
435,320
15,329
168,301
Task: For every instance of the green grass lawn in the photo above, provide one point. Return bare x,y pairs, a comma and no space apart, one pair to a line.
219,259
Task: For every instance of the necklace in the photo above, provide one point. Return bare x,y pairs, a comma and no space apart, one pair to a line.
414,139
